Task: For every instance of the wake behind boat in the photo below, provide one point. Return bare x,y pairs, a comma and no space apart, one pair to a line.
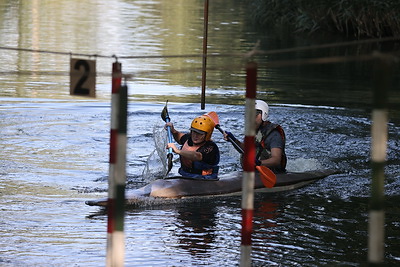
228,184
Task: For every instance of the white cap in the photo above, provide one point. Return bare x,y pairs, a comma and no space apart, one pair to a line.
261,105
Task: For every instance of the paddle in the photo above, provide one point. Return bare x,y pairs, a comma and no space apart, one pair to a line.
165,117
268,177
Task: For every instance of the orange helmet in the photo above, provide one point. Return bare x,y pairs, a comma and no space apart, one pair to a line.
203,124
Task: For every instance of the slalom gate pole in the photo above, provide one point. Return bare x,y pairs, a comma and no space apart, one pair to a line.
379,137
204,68
248,164
117,171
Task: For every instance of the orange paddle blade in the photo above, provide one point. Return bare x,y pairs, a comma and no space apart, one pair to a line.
267,176
213,116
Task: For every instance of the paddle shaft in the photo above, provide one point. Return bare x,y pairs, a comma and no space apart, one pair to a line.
267,176
235,145
169,135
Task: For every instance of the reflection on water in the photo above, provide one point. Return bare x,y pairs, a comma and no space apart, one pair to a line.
196,229
55,147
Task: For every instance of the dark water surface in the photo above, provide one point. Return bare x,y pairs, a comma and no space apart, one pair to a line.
55,147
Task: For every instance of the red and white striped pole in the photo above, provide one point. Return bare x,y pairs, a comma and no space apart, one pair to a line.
117,171
248,164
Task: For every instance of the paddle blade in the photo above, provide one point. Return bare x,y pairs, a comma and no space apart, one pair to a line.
164,113
267,176
213,116
169,157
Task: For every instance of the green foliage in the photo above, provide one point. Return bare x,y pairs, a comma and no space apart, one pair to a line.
358,18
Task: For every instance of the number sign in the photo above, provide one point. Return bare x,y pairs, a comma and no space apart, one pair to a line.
83,77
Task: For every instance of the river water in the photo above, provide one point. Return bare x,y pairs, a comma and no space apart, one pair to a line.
55,146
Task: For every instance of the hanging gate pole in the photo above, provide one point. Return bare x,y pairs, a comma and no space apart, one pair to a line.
248,164
379,137
204,68
117,171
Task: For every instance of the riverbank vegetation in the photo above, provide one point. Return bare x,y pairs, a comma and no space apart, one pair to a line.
352,18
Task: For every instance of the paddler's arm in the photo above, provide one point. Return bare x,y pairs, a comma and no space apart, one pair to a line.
274,160
191,155
229,135
176,134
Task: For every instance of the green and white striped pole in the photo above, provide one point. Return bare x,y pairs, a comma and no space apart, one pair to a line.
379,137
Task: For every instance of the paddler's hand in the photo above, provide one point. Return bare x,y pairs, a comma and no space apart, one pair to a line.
192,155
170,124
174,148
229,135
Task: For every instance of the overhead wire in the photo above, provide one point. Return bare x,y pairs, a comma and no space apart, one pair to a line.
253,53
268,52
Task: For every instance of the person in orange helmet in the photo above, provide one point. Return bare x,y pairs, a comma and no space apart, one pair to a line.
199,155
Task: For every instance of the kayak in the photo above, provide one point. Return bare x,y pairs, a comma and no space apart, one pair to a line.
228,184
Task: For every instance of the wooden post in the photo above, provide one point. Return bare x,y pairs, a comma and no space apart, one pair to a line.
379,136
248,165
117,171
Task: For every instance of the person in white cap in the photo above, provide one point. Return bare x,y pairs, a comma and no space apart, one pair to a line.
270,140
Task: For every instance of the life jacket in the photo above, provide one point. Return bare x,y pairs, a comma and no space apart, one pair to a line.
197,169
261,150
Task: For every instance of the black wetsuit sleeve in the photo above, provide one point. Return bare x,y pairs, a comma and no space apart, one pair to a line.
210,153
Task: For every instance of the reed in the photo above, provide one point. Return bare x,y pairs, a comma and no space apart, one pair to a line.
353,18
